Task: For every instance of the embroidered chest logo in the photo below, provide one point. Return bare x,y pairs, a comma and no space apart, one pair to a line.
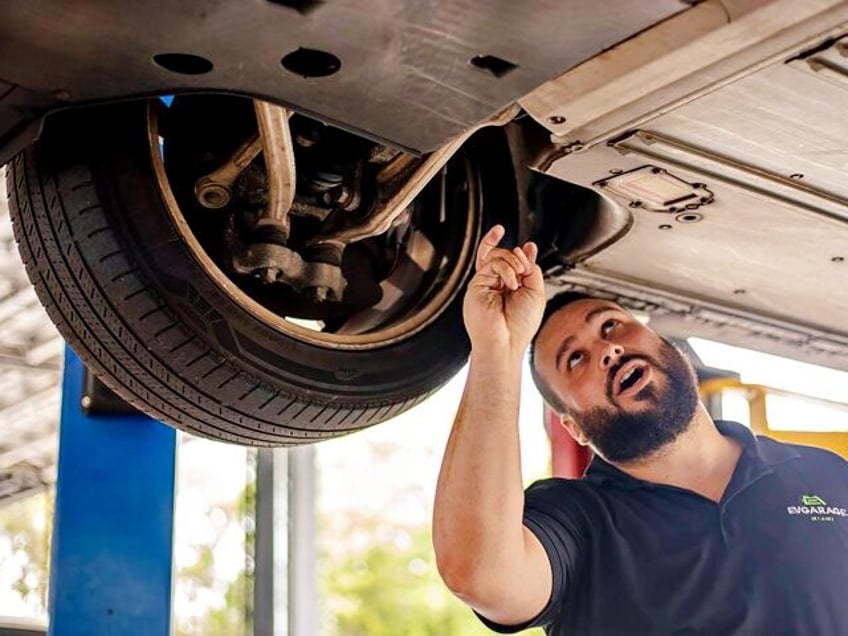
816,509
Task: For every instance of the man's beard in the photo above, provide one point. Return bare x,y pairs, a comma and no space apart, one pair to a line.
622,436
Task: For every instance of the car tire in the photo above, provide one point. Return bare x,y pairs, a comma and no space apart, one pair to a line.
145,315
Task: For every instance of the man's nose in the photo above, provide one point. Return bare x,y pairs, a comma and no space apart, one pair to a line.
610,353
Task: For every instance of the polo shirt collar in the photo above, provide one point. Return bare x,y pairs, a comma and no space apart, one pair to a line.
760,456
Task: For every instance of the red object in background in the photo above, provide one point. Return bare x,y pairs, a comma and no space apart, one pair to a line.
568,458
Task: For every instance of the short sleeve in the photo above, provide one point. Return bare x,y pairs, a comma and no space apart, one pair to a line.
552,513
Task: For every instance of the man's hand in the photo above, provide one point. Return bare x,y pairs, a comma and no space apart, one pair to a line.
506,298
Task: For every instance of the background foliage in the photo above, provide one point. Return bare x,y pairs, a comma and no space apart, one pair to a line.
376,577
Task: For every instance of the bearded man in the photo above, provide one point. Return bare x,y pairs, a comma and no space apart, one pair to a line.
681,525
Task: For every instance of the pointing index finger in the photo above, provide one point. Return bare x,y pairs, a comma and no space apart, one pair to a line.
488,243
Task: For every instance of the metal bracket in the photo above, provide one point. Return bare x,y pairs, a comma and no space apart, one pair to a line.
405,182
657,190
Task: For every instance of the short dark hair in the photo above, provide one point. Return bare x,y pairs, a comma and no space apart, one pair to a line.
553,305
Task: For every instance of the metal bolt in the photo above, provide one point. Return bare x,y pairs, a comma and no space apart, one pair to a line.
85,402
213,195
616,171
665,226
556,119
688,218
635,204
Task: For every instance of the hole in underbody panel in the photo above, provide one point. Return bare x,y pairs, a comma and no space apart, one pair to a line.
183,63
311,63
303,7
492,64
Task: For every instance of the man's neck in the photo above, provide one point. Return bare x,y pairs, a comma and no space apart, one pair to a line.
701,459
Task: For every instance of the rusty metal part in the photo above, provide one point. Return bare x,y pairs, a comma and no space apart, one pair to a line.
214,190
348,197
304,209
277,147
274,263
383,154
394,200
396,167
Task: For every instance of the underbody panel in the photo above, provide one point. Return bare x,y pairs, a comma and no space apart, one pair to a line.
735,206
411,73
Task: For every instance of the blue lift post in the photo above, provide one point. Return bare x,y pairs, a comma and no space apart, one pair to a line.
111,560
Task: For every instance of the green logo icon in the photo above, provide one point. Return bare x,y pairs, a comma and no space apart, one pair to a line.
812,500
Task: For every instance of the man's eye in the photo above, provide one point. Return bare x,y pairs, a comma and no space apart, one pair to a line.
574,359
608,326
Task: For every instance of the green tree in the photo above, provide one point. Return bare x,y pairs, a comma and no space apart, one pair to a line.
389,586
27,527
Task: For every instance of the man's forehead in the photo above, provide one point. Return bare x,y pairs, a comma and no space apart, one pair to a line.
569,320
580,311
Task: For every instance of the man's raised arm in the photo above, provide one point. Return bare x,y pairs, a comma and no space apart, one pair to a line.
484,553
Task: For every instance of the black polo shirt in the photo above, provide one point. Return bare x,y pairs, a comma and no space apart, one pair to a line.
634,557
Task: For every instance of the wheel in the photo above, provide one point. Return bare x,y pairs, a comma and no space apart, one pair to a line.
139,277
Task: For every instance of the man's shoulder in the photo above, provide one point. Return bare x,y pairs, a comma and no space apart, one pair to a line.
810,457
561,491
573,506
561,484
815,477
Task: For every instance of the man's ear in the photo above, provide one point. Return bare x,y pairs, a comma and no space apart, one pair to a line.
573,429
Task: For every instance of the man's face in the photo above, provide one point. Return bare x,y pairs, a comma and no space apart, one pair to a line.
628,391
